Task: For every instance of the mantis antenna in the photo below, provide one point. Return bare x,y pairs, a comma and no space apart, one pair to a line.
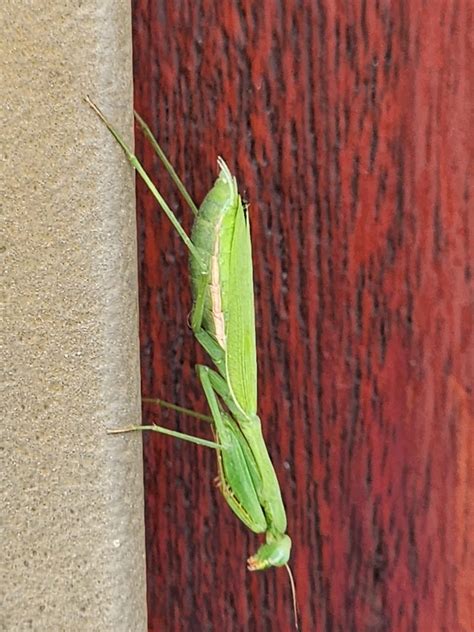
293,595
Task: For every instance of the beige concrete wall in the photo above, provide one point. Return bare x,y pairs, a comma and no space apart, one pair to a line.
72,536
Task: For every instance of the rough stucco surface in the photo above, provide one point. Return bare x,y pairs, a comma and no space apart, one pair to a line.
72,502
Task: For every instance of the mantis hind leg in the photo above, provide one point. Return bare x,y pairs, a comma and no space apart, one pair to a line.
136,164
166,163
198,307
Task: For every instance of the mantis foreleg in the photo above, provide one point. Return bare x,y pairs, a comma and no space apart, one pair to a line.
238,473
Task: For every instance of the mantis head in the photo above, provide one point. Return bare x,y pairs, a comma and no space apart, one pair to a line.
275,552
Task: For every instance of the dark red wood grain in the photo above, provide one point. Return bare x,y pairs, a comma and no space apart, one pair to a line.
349,126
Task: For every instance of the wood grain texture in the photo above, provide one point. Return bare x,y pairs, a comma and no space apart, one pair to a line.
349,127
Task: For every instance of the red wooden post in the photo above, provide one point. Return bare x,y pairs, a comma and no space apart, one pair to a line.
349,128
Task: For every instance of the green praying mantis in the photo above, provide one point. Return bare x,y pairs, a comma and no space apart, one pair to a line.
223,322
